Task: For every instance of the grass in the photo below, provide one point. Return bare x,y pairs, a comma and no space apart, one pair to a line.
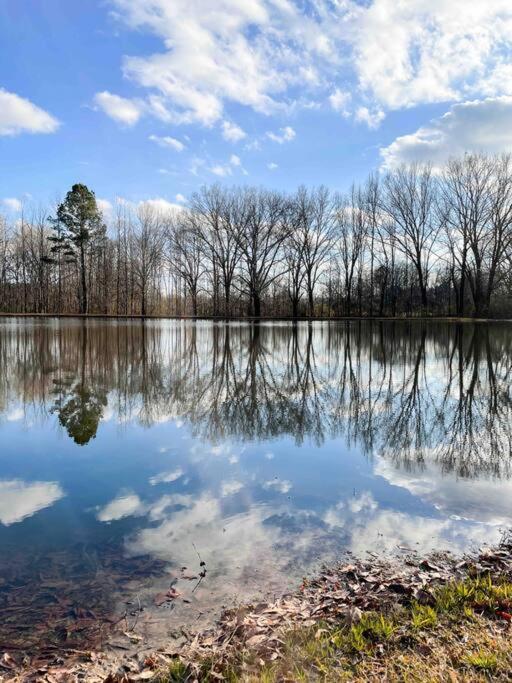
463,635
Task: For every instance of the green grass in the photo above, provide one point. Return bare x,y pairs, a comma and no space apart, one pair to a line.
423,617
452,638
482,661
479,594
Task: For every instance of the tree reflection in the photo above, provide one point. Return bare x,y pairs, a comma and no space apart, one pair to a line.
408,391
80,413
78,406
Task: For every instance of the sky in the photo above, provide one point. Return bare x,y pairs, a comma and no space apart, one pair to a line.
151,99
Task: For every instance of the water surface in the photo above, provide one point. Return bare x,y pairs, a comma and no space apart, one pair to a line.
131,451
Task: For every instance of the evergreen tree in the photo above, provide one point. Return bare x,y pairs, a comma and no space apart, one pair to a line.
79,227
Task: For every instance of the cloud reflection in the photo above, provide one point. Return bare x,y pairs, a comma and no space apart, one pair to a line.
20,499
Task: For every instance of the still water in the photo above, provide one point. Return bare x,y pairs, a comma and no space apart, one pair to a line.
132,451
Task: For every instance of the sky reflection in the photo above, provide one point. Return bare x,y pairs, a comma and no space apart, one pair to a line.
266,449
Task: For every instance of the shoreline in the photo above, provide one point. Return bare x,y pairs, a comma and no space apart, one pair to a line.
448,617
252,319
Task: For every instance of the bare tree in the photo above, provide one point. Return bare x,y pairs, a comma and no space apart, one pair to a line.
185,254
260,237
409,201
147,249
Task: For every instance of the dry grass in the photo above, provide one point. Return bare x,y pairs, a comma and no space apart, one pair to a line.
463,635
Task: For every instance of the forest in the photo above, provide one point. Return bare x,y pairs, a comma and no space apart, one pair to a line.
414,241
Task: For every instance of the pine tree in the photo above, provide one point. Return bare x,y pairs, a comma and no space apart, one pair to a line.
78,229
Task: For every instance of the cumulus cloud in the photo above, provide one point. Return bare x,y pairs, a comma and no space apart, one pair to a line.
286,134
281,485
371,527
228,488
15,414
120,109
19,115
480,500
340,100
254,549
12,204
373,119
162,206
259,53
224,170
104,206
232,132
125,505
415,52
166,477
239,52
20,499
221,171
272,166
167,141
478,125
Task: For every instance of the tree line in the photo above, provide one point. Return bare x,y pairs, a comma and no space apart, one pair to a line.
413,241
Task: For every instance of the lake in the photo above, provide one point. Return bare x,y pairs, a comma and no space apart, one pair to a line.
151,472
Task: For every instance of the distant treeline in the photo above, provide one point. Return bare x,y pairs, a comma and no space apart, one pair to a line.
414,241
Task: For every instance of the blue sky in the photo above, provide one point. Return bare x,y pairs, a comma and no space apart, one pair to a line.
149,99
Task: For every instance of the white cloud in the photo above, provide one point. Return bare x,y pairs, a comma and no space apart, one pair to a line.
260,52
228,488
253,146
19,115
20,499
181,199
233,51
167,141
196,164
286,134
166,477
252,549
339,101
104,206
417,52
281,485
15,415
122,110
224,170
370,527
12,204
483,500
373,119
232,132
272,166
221,171
480,125
123,506
162,206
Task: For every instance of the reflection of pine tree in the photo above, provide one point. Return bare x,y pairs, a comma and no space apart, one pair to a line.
80,413
79,407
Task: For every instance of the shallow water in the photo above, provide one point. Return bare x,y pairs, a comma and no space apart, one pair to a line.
131,450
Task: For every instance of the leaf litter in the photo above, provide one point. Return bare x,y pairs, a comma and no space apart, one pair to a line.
339,592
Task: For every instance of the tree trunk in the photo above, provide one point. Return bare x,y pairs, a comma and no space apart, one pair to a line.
83,274
311,303
256,304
